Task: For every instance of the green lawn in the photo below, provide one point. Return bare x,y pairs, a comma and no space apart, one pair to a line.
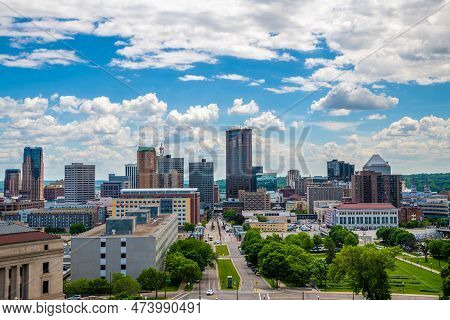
226,268
222,250
432,262
414,280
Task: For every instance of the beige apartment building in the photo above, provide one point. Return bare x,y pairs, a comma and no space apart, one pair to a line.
31,264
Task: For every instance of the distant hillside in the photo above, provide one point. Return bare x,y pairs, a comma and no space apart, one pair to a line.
436,181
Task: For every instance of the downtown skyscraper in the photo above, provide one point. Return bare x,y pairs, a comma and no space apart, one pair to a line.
12,182
238,161
79,183
33,173
147,168
201,176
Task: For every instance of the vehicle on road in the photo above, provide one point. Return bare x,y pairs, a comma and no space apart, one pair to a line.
249,264
257,273
210,292
75,297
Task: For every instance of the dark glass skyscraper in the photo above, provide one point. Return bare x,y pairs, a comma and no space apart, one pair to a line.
255,171
201,176
238,161
340,170
12,182
33,173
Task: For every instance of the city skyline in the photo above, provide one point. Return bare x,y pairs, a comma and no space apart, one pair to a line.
82,90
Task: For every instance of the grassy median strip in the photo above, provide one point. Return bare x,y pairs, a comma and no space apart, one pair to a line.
226,268
222,250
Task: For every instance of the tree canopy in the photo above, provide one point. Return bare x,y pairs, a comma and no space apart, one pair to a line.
196,250
365,269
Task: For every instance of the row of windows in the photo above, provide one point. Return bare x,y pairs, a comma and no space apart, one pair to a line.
367,220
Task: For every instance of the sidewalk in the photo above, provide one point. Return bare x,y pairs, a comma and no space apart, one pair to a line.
418,265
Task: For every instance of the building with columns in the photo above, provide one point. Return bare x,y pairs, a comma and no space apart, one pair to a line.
31,264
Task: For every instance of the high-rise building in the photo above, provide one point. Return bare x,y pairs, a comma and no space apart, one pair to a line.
79,183
167,164
374,187
170,179
316,193
146,168
216,193
255,171
340,170
238,161
33,173
131,173
12,183
291,177
201,176
377,164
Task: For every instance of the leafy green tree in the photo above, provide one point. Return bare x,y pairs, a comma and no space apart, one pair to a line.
124,284
196,250
299,265
262,218
338,234
274,266
302,239
190,271
445,274
252,250
229,215
173,263
351,239
274,238
317,240
79,286
330,246
77,228
319,270
99,286
436,247
423,246
239,219
151,280
365,269
189,227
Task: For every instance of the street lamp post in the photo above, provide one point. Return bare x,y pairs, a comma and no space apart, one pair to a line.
403,285
199,292
237,289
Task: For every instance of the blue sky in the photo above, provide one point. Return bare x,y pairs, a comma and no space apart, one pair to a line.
81,81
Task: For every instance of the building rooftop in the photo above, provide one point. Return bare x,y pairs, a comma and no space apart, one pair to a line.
376,160
11,233
10,228
142,230
366,206
141,149
159,190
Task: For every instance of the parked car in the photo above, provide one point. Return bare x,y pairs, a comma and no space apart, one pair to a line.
75,297
210,292
258,273
249,264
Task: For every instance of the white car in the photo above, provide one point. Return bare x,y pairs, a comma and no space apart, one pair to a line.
210,292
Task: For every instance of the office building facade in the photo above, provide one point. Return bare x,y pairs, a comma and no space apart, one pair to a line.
340,170
33,173
238,161
258,200
373,187
54,191
131,173
201,176
363,216
30,264
105,250
147,168
79,183
291,177
185,202
172,166
266,181
255,171
317,193
12,182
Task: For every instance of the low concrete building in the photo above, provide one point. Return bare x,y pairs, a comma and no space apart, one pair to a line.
322,206
363,216
124,246
271,215
31,264
269,226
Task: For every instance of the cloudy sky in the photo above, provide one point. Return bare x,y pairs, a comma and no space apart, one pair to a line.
89,81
